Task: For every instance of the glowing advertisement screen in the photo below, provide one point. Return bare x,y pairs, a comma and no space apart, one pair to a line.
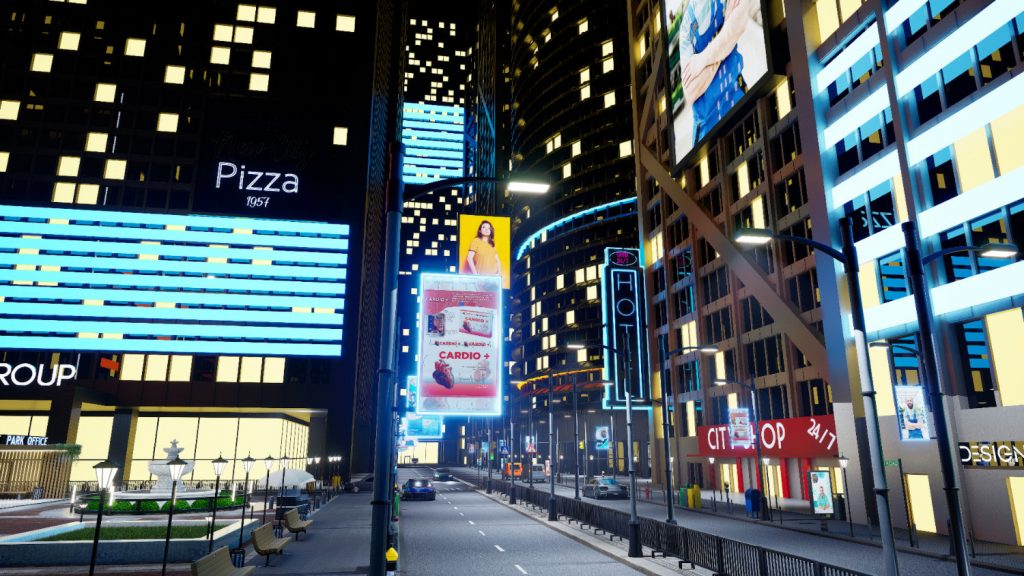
422,427
913,413
485,246
821,492
98,280
741,432
716,53
460,344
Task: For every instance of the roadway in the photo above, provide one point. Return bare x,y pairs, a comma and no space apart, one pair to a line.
464,532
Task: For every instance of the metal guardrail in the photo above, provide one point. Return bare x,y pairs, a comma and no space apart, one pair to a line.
722,556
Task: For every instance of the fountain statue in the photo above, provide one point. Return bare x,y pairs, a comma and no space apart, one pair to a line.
159,469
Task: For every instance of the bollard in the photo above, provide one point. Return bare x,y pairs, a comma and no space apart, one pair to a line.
391,558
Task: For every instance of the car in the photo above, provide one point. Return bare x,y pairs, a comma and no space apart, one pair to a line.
443,475
418,489
603,487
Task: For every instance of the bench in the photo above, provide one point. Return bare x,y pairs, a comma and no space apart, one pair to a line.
265,544
294,524
218,563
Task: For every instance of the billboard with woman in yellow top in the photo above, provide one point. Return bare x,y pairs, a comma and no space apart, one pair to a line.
485,246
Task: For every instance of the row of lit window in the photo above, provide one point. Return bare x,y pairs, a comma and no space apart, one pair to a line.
425,23
178,368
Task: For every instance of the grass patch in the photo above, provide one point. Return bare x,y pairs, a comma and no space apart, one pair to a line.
131,533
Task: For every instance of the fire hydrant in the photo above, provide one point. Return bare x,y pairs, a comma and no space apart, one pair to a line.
647,492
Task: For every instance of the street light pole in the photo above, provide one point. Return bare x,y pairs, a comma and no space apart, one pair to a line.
105,472
247,463
666,375
176,468
950,477
269,463
843,461
576,434
218,468
512,452
635,548
490,449
552,504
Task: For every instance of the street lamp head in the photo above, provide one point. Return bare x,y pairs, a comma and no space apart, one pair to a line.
269,462
709,349
247,463
711,460
765,460
843,461
528,187
998,250
218,465
576,346
879,344
284,461
720,382
316,459
105,472
177,468
753,236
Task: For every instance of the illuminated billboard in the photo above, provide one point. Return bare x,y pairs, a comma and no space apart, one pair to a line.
420,427
98,280
485,246
433,135
716,53
460,345
913,413
623,312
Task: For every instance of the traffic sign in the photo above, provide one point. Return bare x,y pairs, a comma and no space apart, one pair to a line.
504,451
891,463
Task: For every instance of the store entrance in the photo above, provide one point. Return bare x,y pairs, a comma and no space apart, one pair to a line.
1015,485
919,493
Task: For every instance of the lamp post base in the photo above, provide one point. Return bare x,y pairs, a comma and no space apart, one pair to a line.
635,548
512,495
552,510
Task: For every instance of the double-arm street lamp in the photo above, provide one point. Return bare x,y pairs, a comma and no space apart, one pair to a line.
635,547
666,393
756,437
383,444
915,263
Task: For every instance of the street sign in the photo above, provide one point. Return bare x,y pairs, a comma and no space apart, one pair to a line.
891,463
504,451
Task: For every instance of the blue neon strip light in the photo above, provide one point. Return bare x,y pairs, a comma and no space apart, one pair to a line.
104,280
563,221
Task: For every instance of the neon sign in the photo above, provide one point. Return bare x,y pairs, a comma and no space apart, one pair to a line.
623,314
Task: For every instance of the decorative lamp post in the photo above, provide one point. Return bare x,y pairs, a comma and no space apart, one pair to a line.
269,463
247,463
105,472
714,484
284,466
218,469
176,468
843,461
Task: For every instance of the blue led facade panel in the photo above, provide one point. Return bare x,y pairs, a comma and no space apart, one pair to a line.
433,136
91,280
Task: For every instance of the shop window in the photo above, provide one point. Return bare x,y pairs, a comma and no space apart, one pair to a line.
976,364
1006,330
156,368
250,369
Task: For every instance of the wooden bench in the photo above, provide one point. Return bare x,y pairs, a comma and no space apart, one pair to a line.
218,563
265,544
294,524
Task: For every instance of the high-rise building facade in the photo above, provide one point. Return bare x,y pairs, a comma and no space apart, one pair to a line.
883,113
181,193
570,110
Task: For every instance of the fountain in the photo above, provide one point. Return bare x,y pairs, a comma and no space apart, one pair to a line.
161,491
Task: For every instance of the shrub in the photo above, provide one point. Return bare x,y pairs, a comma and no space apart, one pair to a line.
149,506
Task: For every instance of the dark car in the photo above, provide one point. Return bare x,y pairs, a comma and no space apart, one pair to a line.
601,487
443,475
418,489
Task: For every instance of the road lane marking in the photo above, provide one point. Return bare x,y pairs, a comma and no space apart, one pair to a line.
456,507
481,532
500,549
520,568
461,514
471,523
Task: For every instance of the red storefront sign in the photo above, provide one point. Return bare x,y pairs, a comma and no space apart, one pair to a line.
809,437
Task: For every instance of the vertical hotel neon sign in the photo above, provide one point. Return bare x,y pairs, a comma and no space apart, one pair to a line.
623,312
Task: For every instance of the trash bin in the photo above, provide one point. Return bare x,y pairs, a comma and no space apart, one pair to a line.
752,497
684,500
695,497
839,505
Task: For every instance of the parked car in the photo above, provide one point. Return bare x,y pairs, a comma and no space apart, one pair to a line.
418,489
603,487
443,475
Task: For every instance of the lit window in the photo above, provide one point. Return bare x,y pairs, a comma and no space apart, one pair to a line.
591,292
609,99
4,158
259,82
135,47
96,142
174,75
42,62
261,59
566,170
88,193
105,92
606,48
577,148
625,148
223,32
243,35
585,92
64,192
227,369
68,166
306,19
266,15
246,13
220,55
167,122
115,169
9,109
69,41
554,14
346,23
608,65
584,26
585,76
340,136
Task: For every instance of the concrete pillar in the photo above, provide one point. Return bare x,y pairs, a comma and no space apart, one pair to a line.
122,441
65,412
